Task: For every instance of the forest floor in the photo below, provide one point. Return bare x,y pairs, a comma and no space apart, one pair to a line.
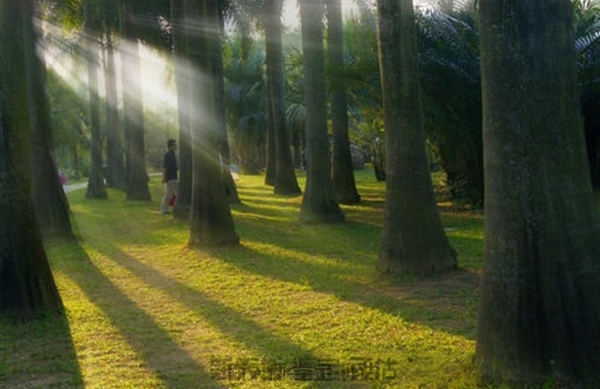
294,306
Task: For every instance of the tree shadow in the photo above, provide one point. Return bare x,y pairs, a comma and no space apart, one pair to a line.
38,354
167,362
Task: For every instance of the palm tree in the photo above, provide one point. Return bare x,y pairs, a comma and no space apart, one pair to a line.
413,239
27,286
539,311
319,203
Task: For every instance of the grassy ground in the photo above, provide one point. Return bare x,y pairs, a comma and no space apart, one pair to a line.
292,302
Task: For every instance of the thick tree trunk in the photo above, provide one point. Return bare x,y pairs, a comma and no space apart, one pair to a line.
114,157
413,239
183,78
95,187
342,170
137,177
539,316
27,287
318,203
211,220
51,205
284,180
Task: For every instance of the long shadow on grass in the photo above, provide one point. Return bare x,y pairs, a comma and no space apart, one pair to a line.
167,361
446,302
38,354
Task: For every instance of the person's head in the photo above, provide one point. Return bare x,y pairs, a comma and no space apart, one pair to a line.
172,144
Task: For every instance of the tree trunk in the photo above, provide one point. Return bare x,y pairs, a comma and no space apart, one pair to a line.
284,180
318,203
211,220
342,170
114,157
95,187
137,177
27,287
539,316
51,205
183,78
413,239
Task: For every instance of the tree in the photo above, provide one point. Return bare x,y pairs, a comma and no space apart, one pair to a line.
318,203
539,316
27,287
413,239
211,220
95,188
342,170
135,159
284,179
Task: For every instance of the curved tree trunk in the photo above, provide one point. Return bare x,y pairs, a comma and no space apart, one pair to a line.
413,239
27,287
95,187
284,180
342,170
183,78
136,175
211,220
51,205
318,203
539,315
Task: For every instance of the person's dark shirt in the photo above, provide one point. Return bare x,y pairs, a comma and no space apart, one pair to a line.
170,164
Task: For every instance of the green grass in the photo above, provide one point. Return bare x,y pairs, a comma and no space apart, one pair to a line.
144,311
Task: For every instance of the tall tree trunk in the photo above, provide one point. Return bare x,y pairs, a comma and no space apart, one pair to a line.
114,157
285,181
183,78
95,187
51,205
539,315
318,203
211,220
413,239
342,170
137,177
27,287
271,145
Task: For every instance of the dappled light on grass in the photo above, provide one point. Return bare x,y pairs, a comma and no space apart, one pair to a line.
146,312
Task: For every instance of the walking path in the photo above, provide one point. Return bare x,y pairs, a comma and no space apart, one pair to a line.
71,187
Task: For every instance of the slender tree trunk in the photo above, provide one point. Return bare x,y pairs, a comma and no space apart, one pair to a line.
211,220
271,145
95,188
51,205
183,78
285,181
27,287
413,239
318,203
539,315
137,177
114,156
342,170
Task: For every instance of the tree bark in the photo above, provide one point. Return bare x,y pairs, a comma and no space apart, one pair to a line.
136,175
27,287
342,170
539,316
318,203
211,220
413,240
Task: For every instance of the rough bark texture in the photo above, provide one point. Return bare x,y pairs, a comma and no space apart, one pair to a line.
211,220
285,181
342,171
318,203
183,78
27,287
539,316
413,239
136,175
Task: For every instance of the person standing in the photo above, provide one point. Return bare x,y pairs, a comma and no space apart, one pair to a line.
169,176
